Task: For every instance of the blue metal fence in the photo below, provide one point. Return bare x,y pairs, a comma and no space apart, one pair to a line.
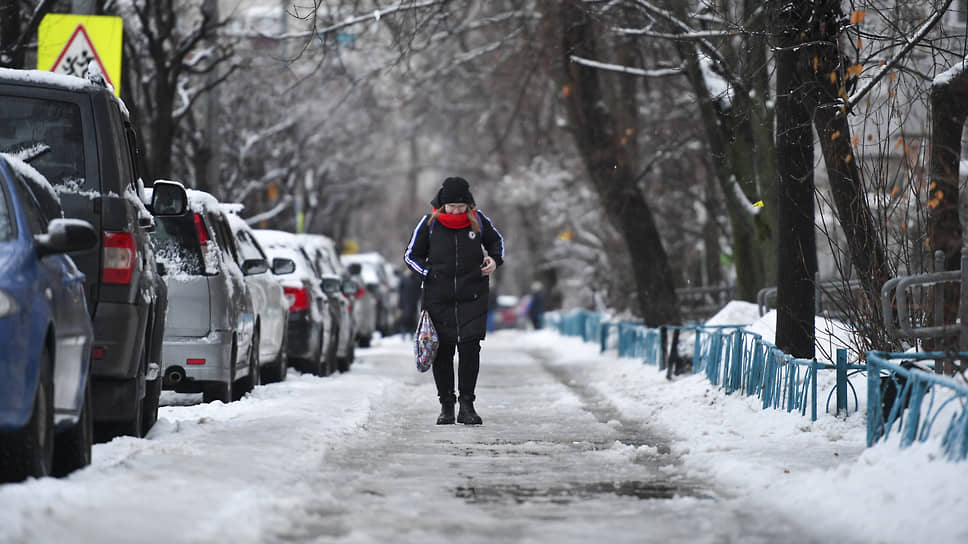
741,361
910,388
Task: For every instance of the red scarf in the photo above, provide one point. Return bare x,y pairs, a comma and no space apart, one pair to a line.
454,221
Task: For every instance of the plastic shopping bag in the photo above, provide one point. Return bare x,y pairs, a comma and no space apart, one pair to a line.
426,342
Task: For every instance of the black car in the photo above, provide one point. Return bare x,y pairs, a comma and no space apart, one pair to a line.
78,135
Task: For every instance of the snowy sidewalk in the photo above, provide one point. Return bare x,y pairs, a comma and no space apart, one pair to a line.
576,447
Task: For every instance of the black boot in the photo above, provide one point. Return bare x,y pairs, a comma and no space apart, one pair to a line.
467,415
446,416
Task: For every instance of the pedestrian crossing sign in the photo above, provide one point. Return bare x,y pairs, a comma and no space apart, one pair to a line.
67,44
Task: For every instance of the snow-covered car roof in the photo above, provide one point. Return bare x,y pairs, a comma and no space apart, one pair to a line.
276,238
43,78
202,201
363,258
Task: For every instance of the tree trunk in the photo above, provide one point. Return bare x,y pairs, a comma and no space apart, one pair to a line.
748,259
610,165
796,250
949,110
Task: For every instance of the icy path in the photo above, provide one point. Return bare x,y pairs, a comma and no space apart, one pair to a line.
357,458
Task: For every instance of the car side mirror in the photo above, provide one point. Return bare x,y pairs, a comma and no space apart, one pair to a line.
251,267
168,198
282,266
349,287
330,285
355,268
66,236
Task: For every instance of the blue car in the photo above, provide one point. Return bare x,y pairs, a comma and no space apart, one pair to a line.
45,330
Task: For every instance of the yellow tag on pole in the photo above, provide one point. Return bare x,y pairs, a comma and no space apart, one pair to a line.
67,44
758,204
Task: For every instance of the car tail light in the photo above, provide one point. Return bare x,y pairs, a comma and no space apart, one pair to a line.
97,353
360,292
298,298
194,361
200,230
118,257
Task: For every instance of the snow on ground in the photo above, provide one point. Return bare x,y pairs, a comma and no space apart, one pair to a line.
239,472
817,469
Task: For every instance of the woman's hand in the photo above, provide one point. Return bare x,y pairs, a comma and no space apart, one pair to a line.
488,266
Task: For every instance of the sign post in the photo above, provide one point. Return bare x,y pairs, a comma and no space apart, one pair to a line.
67,44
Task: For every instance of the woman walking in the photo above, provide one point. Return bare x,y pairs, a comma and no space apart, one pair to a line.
446,251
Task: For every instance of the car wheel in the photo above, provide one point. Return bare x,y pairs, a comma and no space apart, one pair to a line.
30,451
249,382
220,391
365,341
320,366
72,446
345,362
149,412
276,372
332,363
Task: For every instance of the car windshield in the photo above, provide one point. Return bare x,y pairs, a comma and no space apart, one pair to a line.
6,225
176,244
46,133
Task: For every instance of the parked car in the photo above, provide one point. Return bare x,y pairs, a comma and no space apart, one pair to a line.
367,269
510,312
210,342
338,286
310,341
268,298
77,134
45,330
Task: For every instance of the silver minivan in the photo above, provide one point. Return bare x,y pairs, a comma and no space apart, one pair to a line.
210,326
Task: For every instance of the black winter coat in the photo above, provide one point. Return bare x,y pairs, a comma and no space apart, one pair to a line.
455,293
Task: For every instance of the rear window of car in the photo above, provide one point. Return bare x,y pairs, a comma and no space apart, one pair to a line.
48,134
177,246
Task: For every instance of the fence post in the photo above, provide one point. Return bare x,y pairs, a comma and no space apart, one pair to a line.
813,391
841,381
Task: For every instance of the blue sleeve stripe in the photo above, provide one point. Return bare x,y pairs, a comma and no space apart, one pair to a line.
406,256
501,238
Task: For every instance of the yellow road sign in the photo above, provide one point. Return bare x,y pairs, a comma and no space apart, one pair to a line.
66,44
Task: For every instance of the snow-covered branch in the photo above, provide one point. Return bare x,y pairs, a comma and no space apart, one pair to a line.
269,214
662,72
376,15
684,36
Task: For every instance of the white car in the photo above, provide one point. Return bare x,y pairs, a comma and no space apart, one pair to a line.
269,302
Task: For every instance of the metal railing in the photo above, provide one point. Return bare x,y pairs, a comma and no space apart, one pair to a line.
900,398
896,395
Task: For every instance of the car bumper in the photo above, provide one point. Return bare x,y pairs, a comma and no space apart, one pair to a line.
302,338
215,350
119,331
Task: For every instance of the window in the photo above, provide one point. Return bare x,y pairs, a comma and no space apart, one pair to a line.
49,133
248,247
37,217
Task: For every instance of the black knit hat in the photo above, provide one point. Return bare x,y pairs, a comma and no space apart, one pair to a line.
453,190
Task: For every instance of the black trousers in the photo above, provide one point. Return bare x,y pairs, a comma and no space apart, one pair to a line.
469,364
